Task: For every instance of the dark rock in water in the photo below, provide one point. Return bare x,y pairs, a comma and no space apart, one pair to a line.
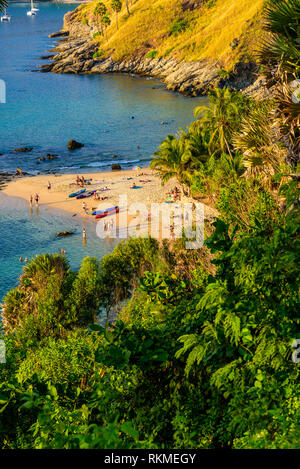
59,34
73,145
51,157
4,178
115,167
45,68
23,150
64,233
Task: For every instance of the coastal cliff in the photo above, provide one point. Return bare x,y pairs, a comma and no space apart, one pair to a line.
126,49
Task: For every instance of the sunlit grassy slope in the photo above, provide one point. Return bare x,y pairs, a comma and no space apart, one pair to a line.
210,30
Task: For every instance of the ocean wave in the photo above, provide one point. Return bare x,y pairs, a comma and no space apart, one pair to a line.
99,164
68,167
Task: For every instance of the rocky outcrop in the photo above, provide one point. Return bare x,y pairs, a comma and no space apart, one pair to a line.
76,54
4,178
116,167
23,150
59,34
73,145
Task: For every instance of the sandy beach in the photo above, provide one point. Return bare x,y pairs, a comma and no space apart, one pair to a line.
118,183
137,219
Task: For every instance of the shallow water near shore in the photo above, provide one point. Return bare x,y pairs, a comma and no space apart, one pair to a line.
110,114
25,232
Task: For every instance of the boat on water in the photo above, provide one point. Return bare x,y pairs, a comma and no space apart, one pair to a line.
107,212
33,11
5,17
74,194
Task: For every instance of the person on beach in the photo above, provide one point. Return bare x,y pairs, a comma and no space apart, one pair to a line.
21,259
77,180
84,207
37,198
84,233
25,260
49,185
31,200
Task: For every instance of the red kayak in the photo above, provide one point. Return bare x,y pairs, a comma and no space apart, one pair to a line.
110,212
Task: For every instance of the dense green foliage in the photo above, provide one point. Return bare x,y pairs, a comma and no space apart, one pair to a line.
187,361
155,346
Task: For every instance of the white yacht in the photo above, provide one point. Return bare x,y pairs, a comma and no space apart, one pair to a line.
32,11
5,17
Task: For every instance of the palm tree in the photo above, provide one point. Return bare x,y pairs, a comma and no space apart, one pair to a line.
280,57
197,137
219,117
100,11
24,299
280,52
117,7
258,140
127,6
172,159
106,22
3,4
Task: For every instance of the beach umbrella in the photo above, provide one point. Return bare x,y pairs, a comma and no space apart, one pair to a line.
136,168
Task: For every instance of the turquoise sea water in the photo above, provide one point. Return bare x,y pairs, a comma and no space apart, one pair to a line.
25,232
44,111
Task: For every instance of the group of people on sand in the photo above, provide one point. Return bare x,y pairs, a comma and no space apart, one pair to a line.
98,197
36,199
175,194
80,181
